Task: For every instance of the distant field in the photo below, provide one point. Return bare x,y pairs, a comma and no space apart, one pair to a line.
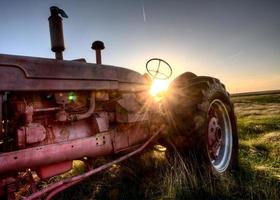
246,94
151,176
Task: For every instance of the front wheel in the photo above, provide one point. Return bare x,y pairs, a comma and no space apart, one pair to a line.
202,121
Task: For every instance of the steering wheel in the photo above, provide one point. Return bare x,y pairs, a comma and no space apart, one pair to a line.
158,69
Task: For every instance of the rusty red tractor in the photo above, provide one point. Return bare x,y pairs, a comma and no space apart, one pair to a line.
54,111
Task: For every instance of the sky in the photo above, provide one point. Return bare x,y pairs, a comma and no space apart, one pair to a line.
237,41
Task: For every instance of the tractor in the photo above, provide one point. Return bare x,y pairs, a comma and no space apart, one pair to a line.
55,111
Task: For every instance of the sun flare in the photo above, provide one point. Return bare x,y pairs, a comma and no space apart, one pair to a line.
158,86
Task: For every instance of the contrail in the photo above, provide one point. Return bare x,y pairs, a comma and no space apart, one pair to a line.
143,11
238,53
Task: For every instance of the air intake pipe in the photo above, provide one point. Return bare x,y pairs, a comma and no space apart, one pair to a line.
56,31
98,46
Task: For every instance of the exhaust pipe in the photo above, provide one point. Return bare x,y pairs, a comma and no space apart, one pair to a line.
56,31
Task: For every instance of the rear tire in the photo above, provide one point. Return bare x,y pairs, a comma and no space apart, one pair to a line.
202,121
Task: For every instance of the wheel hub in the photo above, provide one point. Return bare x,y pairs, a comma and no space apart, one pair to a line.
214,138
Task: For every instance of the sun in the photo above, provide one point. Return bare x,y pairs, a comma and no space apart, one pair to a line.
158,86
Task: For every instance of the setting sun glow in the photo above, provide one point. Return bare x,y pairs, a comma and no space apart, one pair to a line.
158,86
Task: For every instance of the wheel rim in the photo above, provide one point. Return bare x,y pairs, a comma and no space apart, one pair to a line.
219,136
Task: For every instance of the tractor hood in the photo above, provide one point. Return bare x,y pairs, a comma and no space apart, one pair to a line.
43,68
13,69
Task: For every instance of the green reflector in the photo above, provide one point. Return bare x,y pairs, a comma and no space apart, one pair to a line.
72,96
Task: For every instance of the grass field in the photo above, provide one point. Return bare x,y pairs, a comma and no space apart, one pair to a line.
151,176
